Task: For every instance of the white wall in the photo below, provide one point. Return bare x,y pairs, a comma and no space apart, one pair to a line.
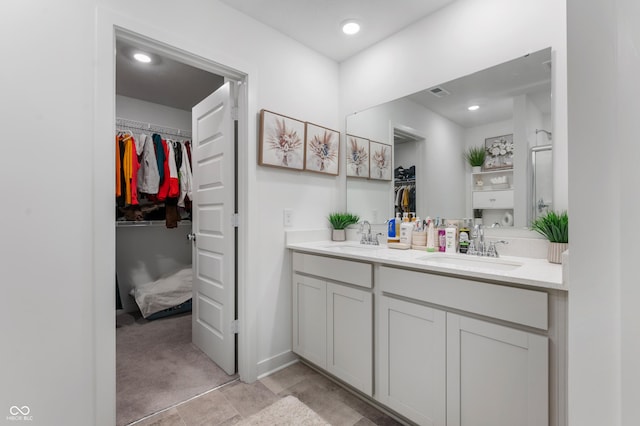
148,112
48,271
629,104
604,349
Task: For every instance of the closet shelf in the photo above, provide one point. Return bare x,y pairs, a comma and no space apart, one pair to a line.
122,123
146,223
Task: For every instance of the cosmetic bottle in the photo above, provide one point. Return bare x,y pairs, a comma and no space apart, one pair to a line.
406,229
392,237
451,234
463,239
442,236
431,235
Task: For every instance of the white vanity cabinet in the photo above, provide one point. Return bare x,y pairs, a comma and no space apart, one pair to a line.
412,360
454,351
333,317
496,375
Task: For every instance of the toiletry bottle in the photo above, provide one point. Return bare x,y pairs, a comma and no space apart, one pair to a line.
463,240
391,230
451,233
442,236
431,236
406,229
398,222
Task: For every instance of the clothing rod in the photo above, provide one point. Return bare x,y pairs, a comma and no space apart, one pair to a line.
152,128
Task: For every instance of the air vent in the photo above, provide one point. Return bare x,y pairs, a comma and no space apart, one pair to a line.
439,92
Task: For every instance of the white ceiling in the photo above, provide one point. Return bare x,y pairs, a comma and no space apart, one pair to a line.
164,81
317,23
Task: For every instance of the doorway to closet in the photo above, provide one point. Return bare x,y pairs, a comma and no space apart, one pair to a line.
175,252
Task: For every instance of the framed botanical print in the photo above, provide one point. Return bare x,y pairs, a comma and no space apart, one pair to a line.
281,141
380,157
322,149
499,153
357,156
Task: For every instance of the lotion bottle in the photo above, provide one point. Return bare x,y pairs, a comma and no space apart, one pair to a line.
431,236
450,238
391,230
442,236
406,230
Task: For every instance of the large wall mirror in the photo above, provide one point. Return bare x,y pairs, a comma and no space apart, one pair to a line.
428,133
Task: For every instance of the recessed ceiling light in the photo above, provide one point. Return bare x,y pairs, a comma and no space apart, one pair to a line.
350,27
473,107
142,57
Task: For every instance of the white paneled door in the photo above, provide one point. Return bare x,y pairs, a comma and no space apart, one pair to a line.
213,213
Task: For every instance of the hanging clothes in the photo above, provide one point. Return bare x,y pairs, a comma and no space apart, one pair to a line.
185,177
148,175
163,191
174,185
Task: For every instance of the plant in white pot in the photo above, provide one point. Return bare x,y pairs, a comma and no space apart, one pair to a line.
475,155
339,222
555,227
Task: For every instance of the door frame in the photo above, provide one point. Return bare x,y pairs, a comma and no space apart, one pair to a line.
109,25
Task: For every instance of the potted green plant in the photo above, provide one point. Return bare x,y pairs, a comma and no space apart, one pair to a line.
555,227
475,155
339,222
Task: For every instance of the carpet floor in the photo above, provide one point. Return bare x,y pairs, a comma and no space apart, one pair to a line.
157,366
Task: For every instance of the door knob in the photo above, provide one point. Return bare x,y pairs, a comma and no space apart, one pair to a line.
191,236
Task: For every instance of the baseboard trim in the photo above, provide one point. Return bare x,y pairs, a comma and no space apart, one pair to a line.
278,362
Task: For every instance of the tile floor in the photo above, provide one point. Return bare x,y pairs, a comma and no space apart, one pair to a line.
236,401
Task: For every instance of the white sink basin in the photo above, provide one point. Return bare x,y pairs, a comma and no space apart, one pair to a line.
471,262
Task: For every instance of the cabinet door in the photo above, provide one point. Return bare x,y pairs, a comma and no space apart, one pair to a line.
496,375
310,319
412,360
350,336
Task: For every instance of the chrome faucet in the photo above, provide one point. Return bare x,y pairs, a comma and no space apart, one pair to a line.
367,238
492,251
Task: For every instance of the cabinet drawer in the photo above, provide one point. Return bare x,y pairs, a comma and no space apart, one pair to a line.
346,271
493,200
517,305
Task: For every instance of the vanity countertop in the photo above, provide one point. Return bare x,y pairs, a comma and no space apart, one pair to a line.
505,269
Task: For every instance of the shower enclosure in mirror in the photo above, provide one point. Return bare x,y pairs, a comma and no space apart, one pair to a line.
430,131
541,180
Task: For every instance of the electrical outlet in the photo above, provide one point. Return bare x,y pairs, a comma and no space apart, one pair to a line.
287,217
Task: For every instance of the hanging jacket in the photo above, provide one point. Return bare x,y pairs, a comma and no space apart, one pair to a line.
186,179
135,167
160,154
148,175
174,185
163,191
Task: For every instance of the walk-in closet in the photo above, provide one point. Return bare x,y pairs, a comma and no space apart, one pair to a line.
157,366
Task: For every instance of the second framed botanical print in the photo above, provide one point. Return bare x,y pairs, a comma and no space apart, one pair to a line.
357,156
322,149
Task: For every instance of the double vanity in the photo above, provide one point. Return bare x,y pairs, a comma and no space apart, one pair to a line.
440,339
